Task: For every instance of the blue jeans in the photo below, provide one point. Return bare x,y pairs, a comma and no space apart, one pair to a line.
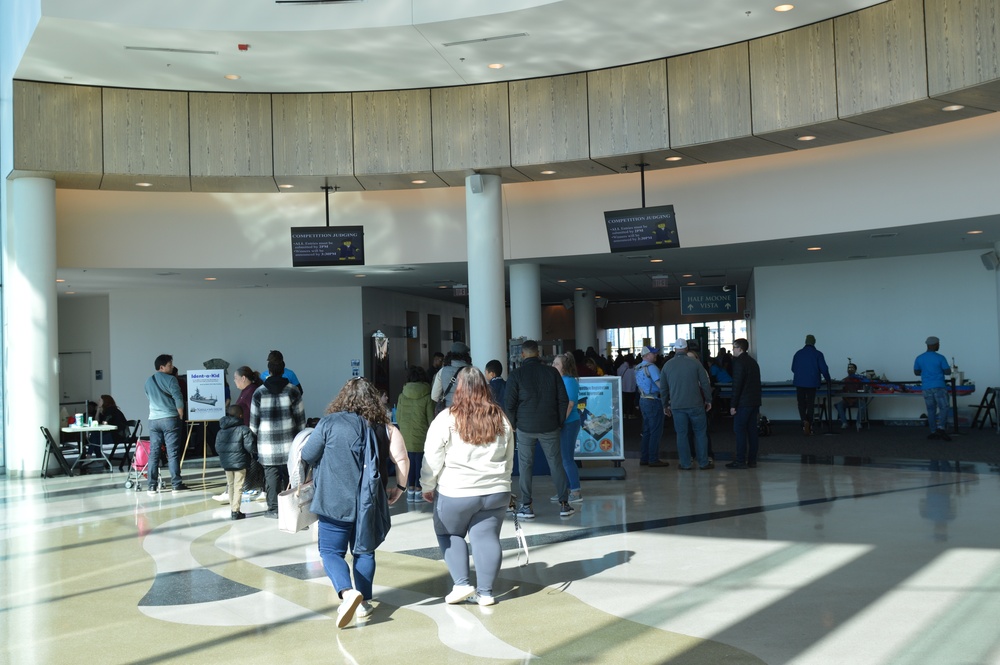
652,429
413,478
549,441
936,400
695,419
335,538
861,405
745,427
567,447
166,432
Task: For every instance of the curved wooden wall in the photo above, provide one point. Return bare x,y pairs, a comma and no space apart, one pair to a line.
888,68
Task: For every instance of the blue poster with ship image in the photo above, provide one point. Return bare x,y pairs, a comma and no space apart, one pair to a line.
599,407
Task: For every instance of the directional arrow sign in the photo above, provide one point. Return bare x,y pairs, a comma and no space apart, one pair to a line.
709,299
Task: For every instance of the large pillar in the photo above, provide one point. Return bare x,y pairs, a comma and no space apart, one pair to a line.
31,342
585,320
484,231
526,301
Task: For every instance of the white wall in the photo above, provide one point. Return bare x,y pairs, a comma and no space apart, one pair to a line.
318,331
878,312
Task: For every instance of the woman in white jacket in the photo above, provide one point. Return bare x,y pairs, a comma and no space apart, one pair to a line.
468,459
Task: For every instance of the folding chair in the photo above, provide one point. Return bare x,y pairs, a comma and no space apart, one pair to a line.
53,449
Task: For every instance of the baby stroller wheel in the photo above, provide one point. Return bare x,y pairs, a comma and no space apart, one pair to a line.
129,484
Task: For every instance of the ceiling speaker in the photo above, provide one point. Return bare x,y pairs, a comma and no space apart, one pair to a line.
476,183
990,260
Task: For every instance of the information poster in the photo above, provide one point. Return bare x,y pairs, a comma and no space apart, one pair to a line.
206,399
600,412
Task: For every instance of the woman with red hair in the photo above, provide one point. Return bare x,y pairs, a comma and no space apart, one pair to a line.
468,459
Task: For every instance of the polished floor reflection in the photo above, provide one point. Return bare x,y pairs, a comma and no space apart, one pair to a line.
793,562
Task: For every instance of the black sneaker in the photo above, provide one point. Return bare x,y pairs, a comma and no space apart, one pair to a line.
736,465
934,435
525,512
182,488
565,510
710,465
941,434
238,515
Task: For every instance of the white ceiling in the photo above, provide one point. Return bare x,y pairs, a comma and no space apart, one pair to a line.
380,44
393,44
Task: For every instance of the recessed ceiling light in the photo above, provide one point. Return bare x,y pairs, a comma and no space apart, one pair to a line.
361,275
807,137
60,281
814,249
579,288
69,293
419,182
210,279
687,275
656,260
143,184
443,286
675,158
784,8
691,283
232,77
285,186
495,65
562,281
971,233
953,107
548,172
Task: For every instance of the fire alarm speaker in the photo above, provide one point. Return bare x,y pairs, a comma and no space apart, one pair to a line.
476,184
990,260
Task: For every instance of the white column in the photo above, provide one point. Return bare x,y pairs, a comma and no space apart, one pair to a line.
31,340
484,237
585,320
526,301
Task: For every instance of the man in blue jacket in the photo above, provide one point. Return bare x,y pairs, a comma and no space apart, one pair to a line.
808,364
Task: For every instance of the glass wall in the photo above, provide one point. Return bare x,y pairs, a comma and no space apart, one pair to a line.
720,333
630,340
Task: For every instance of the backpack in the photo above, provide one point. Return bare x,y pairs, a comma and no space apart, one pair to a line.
372,517
442,403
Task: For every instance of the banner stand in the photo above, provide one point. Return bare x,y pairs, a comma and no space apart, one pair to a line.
204,443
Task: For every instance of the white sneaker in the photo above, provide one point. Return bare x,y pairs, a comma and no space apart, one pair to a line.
459,592
482,600
348,605
222,498
843,425
364,611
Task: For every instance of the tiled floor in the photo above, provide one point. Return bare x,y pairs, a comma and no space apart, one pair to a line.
789,563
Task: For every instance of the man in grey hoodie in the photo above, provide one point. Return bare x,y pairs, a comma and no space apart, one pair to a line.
686,392
166,409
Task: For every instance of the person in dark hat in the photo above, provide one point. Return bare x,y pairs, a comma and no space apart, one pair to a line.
932,367
808,364
443,387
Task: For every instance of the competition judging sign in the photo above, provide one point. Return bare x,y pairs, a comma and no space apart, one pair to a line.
328,246
600,412
641,229
206,399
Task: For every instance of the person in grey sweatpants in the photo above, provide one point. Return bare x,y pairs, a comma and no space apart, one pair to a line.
468,458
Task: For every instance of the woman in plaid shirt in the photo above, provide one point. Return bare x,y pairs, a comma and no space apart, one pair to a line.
276,416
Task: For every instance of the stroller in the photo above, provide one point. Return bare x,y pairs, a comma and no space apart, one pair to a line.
139,468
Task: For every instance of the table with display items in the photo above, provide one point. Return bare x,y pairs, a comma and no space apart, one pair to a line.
83,431
867,389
